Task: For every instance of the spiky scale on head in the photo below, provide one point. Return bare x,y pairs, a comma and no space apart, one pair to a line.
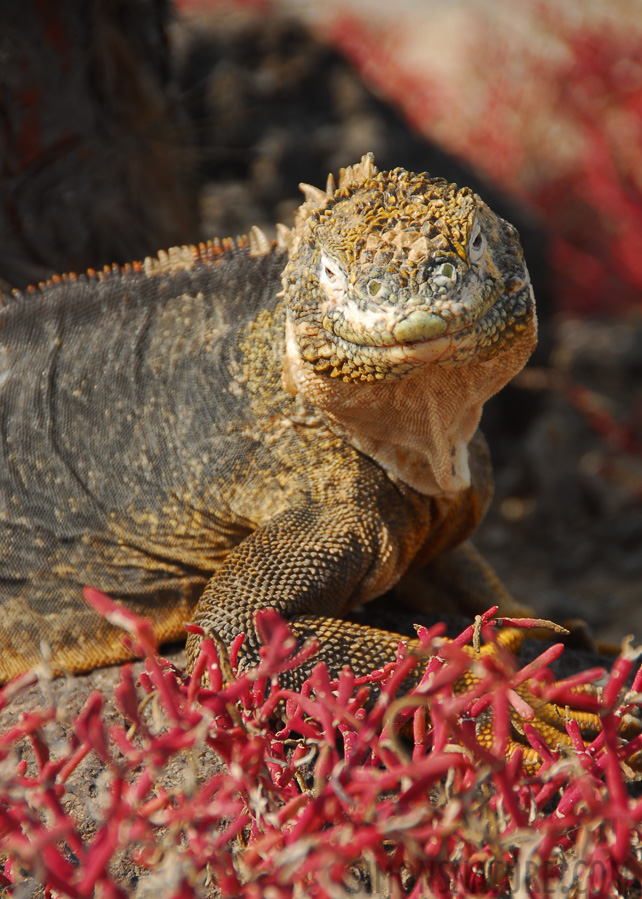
393,270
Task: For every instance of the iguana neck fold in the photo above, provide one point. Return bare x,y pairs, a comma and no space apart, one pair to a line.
417,428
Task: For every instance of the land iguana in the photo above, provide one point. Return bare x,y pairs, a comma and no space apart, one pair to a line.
243,425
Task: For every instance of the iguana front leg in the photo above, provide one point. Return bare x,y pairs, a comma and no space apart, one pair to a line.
311,572
311,564
461,581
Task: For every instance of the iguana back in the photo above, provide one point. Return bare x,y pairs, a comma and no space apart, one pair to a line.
120,434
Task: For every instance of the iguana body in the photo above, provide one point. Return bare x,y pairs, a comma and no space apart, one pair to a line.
233,427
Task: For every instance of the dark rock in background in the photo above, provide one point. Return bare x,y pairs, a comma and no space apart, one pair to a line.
96,161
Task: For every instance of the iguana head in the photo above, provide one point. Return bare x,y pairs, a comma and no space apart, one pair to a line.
391,270
408,306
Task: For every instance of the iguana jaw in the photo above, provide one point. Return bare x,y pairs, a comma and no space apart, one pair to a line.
381,344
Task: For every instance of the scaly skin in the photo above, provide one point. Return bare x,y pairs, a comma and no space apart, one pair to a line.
233,427
397,270
407,304
183,421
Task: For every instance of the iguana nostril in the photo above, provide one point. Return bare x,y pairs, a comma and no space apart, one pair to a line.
419,326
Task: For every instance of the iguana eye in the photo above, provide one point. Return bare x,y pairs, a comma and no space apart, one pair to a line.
476,244
445,275
331,277
446,271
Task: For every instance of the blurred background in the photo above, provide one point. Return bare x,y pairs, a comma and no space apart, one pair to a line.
131,125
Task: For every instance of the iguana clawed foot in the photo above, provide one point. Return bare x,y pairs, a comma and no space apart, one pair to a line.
524,709
481,697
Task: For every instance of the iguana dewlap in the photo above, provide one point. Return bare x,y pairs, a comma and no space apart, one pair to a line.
237,426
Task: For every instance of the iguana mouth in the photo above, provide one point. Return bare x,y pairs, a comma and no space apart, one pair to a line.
422,327
476,331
